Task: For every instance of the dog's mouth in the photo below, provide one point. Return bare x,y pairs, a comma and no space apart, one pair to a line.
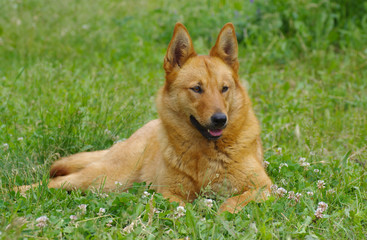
208,132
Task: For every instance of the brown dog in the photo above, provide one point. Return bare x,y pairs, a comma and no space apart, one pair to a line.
207,134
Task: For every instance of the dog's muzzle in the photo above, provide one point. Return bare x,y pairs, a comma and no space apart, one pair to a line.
215,130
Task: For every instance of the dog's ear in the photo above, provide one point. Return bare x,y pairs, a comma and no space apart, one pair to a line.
226,46
179,49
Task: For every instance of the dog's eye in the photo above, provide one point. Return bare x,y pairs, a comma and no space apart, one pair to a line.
224,89
197,89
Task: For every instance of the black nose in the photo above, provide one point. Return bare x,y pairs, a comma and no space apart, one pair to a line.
219,120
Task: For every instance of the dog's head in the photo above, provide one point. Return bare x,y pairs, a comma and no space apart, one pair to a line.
203,91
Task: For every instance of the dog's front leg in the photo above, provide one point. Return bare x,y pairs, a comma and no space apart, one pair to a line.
173,197
236,203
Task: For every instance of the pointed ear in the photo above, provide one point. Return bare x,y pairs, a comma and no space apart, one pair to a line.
226,46
179,49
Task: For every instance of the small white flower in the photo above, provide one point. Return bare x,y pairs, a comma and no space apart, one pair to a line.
273,188
310,194
146,194
318,213
304,164
320,184
266,164
73,218
42,221
208,203
330,191
20,139
316,170
323,206
108,132
281,192
103,195
291,195
109,224
180,211
83,207
156,210
297,197
101,211
118,183
6,146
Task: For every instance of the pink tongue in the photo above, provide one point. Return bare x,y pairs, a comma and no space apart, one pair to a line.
216,133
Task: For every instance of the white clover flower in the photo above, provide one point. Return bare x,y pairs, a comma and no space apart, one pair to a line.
180,211
304,164
273,188
281,192
316,170
318,213
20,138
291,195
310,194
266,164
330,191
83,207
103,195
208,203
118,183
320,184
323,206
73,218
107,132
297,197
145,194
101,211
109,224
42,221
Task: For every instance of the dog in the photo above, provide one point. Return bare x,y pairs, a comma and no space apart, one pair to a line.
206,134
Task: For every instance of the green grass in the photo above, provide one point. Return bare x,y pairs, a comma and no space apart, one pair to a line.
79,75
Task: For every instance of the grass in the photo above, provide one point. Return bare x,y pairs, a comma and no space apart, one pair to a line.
80,75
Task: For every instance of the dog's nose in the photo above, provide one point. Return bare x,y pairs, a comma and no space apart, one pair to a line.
219,120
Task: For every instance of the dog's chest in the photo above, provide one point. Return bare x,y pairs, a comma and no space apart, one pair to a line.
214,176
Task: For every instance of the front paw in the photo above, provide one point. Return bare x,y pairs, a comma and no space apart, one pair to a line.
229,205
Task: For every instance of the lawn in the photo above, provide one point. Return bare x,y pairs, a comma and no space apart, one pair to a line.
80,75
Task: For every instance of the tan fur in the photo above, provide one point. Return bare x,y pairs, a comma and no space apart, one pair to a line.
170,153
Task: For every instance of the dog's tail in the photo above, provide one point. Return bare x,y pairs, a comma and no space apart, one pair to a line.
75,163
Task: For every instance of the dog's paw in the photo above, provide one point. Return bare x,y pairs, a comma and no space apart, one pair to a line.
230,205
